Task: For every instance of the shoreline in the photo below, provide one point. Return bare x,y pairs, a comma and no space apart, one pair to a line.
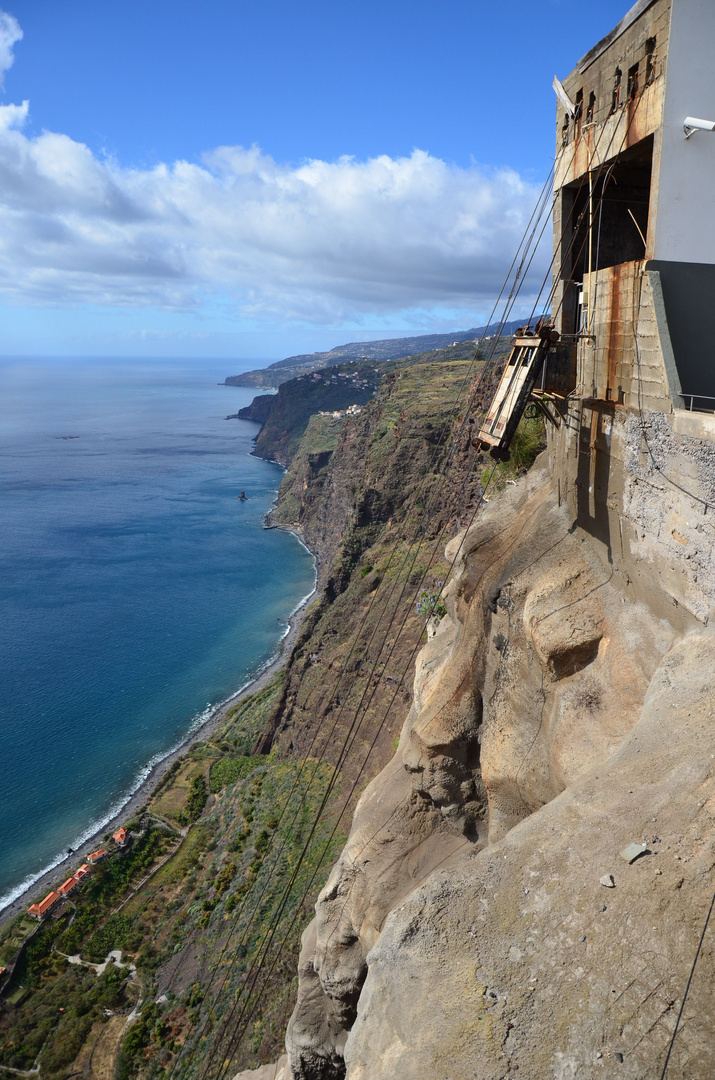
136,800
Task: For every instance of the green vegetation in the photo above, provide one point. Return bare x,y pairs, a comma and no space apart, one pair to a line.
286,415
529,440
430,604
196,800
246,721
309,462
227,770
400,449
445,355
13,934
140,1034
333,388
244,881
118,932
406,349
54,1023
220,888
105,888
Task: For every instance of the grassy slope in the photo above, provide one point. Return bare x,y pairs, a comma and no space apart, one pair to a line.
374,352
306,467
285,415
406,348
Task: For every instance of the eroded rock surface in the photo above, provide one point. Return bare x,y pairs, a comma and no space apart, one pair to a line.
531,962
277,1071
464,930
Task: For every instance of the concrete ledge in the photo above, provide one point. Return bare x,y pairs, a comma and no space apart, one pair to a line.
696,425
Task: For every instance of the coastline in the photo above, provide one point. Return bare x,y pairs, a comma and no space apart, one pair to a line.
136,800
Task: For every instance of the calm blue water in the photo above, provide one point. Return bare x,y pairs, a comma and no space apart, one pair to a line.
135,588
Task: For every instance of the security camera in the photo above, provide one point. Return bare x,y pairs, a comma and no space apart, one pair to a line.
692,124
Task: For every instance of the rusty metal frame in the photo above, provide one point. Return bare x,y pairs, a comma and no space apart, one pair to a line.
539,401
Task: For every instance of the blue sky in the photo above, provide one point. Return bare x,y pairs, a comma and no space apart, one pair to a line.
251,180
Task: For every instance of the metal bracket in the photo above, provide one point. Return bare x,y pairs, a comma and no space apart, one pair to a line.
540,404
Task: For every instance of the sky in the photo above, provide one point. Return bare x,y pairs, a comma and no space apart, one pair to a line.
252,180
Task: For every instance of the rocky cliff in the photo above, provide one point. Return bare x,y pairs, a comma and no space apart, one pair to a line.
485,915
284,416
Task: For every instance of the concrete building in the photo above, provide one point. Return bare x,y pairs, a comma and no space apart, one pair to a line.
67,886
634,279
634,220
630,384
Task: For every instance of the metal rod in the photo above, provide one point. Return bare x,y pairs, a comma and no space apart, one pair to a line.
697,397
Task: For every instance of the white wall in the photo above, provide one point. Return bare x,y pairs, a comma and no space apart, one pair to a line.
685,223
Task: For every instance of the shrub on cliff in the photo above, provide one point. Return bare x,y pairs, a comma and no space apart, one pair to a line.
135,1041
529,440
430,603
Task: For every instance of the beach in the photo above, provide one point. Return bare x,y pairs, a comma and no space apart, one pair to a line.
137,800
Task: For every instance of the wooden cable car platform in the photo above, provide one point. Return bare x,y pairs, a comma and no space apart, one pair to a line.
526,361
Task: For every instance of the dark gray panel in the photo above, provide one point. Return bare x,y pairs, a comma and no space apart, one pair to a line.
689,297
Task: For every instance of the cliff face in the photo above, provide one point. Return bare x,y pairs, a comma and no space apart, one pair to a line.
362,488
563,709
259,409
285,415
210,903
373,510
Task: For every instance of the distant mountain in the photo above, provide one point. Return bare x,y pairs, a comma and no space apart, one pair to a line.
390,349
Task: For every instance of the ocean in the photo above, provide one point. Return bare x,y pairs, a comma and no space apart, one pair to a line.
137,591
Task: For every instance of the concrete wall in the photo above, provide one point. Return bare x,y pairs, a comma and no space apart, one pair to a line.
626,362
611,131
643,488
686,197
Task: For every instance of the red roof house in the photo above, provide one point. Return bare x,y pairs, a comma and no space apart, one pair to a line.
95,856
38,910
120,836
67,886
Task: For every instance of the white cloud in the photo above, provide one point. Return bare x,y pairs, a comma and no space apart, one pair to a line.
10,33
321,241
